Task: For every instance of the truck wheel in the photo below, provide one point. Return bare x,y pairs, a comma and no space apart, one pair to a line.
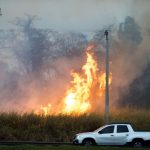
88,142
137,143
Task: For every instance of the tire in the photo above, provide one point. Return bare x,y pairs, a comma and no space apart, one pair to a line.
88,142
138,143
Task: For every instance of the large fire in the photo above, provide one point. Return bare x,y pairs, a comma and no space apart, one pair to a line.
84,88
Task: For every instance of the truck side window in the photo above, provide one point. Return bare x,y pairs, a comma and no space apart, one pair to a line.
109,129
122,128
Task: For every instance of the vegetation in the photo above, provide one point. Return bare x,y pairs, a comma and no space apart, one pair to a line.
62,128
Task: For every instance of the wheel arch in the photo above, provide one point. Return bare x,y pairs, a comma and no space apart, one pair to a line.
138,139
89,138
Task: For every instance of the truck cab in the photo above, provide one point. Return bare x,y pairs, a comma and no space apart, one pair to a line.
115,134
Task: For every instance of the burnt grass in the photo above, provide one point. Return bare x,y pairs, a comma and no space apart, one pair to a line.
62,128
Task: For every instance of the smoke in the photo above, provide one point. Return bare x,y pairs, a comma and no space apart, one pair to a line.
130,60
35,61
36,65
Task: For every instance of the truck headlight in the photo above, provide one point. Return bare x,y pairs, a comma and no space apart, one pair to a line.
76,137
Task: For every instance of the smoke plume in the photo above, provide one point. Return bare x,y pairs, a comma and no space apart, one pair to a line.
37,54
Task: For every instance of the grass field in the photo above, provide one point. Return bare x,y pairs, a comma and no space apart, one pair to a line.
62,128
30,147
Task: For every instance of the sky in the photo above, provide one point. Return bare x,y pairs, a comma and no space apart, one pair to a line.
74,15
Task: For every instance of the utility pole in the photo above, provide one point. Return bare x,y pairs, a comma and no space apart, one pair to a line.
107,78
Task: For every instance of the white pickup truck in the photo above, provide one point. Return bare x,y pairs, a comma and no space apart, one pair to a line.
113,134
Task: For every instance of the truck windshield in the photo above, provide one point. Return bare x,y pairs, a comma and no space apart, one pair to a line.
99,129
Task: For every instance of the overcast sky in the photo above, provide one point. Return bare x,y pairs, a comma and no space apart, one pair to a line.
77,15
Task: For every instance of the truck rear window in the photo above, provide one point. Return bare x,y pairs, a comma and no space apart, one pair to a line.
122,129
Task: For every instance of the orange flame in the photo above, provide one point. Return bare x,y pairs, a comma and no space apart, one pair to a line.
78,97
46,109
84,87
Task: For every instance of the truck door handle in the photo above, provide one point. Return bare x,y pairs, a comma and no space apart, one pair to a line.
111,135
127,134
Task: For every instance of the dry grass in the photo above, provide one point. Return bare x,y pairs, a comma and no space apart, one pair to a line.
32,127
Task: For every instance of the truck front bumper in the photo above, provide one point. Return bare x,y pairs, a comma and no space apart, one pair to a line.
75,142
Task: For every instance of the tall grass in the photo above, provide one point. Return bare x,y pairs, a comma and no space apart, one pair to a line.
14,126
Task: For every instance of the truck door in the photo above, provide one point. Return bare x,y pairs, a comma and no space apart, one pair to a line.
106,136
121,135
